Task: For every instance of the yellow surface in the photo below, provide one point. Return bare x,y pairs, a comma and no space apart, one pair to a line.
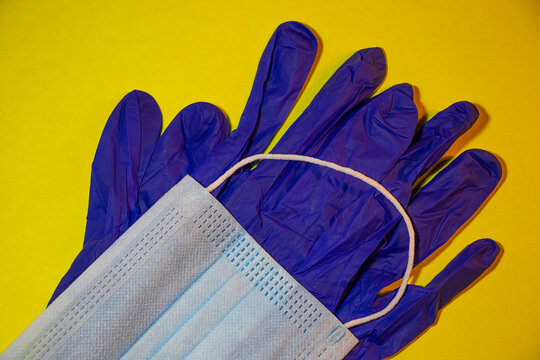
65,64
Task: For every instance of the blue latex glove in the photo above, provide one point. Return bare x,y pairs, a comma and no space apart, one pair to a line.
332,233
419,307
437,210
134,166
321,226
337,121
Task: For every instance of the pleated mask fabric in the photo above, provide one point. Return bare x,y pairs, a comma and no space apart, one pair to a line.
186,281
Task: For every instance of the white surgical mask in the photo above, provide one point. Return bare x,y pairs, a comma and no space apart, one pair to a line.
186,281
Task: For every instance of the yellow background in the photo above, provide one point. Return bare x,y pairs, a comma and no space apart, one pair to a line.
65,64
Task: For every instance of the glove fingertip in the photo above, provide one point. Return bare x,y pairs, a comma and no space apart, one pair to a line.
485,250
296,34
464,269
466,109
405,89
138,94
368,66
488,161
452,122
374,56
148,106
398,104
203,120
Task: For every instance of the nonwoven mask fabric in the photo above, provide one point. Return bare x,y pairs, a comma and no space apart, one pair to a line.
186,281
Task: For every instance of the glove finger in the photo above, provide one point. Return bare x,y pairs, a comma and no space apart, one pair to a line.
430,144
307,219
419,306
122,155
121,158
439,209
351,84
452,199
354,81
186,143
282,72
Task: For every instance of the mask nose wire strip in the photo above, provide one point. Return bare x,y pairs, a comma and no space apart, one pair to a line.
360,176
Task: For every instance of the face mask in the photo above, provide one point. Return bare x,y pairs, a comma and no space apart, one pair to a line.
187,281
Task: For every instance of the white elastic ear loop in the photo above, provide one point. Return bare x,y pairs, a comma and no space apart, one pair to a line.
367,180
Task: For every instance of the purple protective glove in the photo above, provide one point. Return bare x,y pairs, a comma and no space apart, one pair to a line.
134,166
329,231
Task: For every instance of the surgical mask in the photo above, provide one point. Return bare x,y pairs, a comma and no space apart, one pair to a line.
186,281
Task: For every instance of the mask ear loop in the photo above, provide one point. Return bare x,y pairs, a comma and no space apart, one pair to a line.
360,176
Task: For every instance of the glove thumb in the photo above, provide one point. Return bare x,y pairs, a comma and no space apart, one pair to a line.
419,307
